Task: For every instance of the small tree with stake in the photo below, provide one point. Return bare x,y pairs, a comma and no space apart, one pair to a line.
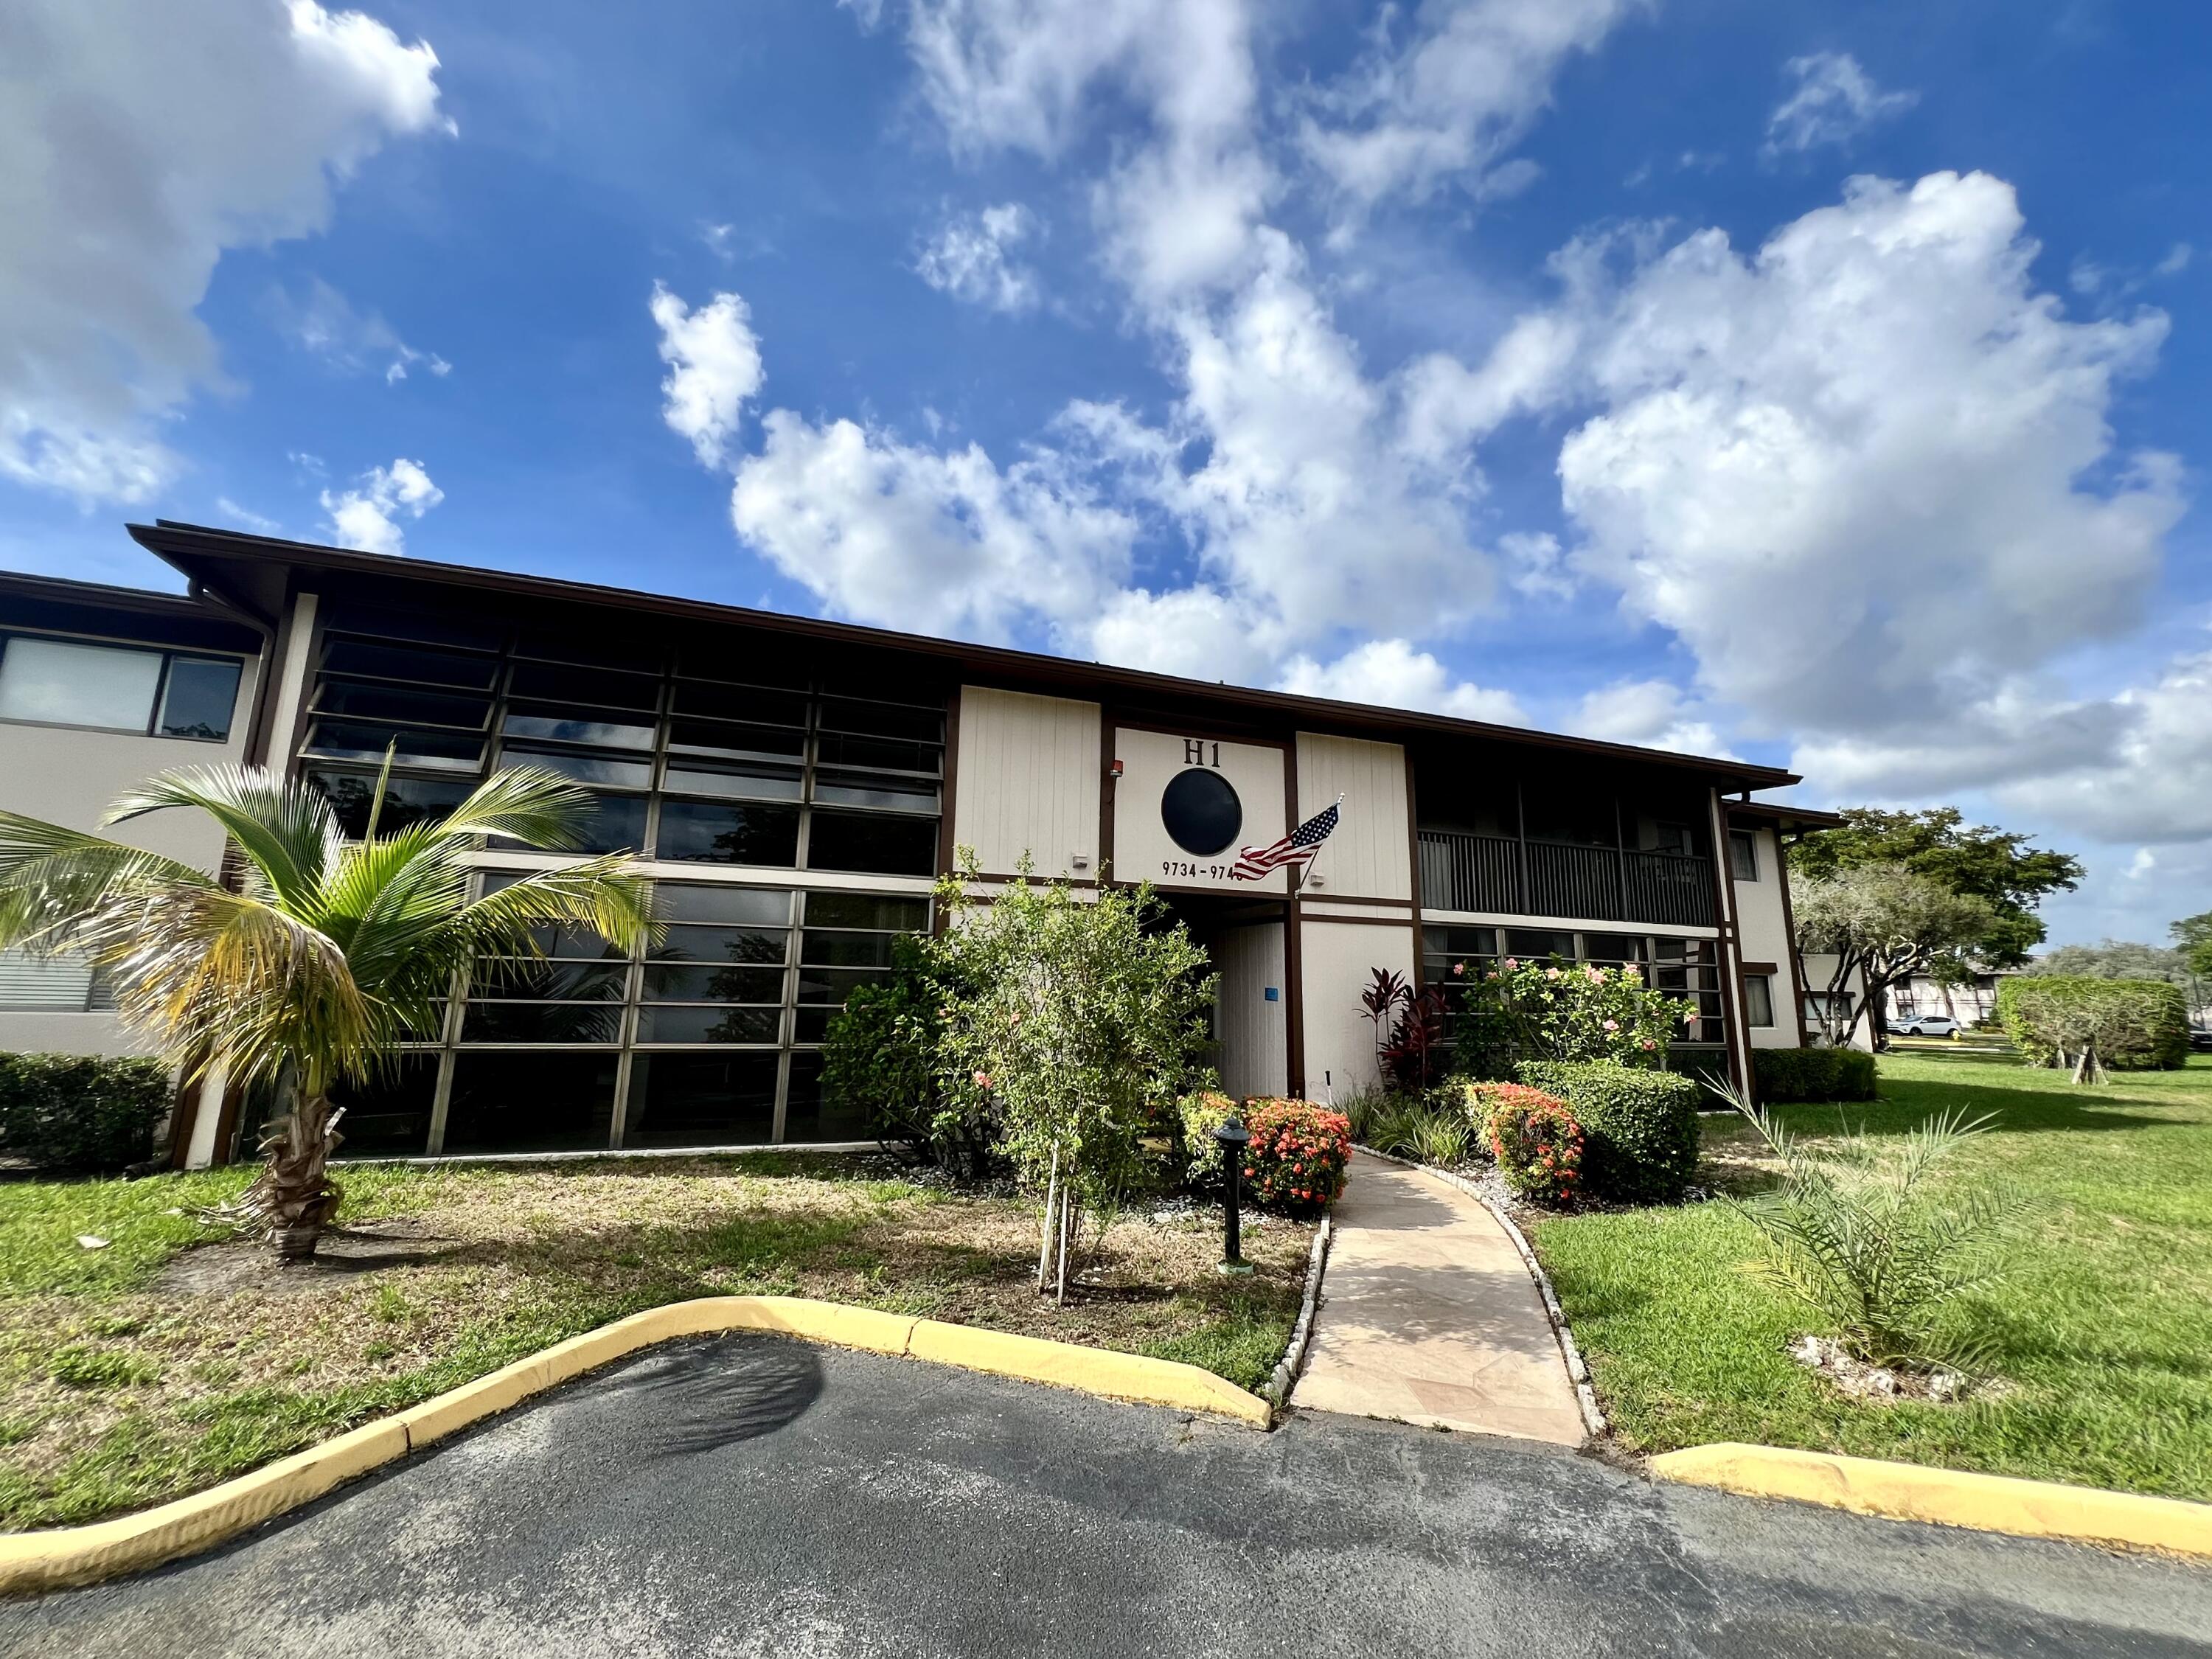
1083,1019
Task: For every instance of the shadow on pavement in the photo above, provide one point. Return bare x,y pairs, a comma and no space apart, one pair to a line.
710,1396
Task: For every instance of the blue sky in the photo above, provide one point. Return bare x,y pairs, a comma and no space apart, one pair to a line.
1816,382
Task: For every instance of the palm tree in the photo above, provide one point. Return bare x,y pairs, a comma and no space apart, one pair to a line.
307,972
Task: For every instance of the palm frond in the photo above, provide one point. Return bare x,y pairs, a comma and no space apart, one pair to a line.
51,876
285,827
528,803
605,894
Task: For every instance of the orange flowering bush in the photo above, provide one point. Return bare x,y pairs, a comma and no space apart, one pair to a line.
1298,1152
1536,1139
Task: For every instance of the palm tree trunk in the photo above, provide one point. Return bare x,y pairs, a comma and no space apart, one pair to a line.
294,1190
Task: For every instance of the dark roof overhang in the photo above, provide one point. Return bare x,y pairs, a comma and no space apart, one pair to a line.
257,574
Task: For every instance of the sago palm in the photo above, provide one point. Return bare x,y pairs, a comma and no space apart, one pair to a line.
308,970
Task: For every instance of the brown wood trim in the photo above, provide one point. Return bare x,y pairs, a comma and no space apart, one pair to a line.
1790,926
266,680
1762,967
947,832
1729,949
1109,732
204,553
1294,1012
1412,861
1397,922
1327,899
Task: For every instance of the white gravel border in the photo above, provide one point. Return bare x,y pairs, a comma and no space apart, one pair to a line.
1578,1372
1277,1391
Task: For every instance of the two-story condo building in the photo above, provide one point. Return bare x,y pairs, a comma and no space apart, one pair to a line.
795,786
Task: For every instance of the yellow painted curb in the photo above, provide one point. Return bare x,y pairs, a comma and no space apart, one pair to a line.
1949,1497
54,1559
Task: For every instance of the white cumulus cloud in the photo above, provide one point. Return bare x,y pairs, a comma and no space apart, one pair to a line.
1653,713
138,140
1392,674
368,515
713,368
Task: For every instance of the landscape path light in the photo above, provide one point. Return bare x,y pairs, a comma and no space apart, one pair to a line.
1233,1137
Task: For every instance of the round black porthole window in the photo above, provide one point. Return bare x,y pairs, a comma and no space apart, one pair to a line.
1201,811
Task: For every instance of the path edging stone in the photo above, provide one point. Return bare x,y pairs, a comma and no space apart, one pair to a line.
1570,1355
1277,1391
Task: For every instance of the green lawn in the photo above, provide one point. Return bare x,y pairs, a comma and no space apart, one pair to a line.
2105,1333
171,1358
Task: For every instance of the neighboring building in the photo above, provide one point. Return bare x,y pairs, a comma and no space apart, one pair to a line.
795,786
1974,1001
100,689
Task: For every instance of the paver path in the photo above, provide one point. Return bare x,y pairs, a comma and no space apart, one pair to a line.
1428,1317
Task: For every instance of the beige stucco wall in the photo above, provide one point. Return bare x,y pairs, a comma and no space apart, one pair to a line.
1026,780
69,776
1370,854
1335,961
1142,849
1763,927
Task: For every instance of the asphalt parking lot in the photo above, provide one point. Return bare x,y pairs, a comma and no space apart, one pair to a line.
749,1495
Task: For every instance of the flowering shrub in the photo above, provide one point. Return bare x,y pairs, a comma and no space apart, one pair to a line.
1298,1151
1535,1140
1579,1010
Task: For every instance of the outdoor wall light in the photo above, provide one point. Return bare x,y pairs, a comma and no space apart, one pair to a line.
1233,1137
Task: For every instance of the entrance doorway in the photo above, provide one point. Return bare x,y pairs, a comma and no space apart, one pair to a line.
1244,941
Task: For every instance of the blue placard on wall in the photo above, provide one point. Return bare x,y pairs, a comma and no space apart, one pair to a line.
1269,993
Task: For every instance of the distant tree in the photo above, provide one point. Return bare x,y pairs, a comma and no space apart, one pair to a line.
2193,934
1882,923
2114,959
1996,866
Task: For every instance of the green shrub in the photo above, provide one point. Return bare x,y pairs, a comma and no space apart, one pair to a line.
1812,1074
881,1058
78,1112
2067,1019
1640,1127
1535,1140
1297,1156
1202,1114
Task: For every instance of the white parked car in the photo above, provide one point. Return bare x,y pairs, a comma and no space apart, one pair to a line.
1927,1025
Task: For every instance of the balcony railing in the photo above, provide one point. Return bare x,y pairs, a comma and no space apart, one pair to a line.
1498,875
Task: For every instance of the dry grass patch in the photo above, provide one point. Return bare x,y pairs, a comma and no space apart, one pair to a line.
133,1380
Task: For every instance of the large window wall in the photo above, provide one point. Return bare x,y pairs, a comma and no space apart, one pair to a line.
1686,967
708,751
710,1038
718,754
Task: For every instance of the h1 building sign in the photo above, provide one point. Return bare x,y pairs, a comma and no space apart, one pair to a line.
1185,807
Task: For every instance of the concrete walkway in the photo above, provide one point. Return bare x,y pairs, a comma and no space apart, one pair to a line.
1428,1317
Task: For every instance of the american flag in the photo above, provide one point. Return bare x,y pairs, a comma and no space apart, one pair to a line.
1296,848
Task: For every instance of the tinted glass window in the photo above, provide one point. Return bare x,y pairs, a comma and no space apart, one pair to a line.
390,1117
701,982
401,705
882,845
887,910
890,794
676,1022
198,699
882,720
735,783
1759,1000
563,724
1526,942
1743,856
712,833
846,950
450,751
570,686
584,767
700,1100
69,684
406,800
807,1117
529,1103
757,947
595,979
684,902
393,662
727,737
741,703
542,1022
